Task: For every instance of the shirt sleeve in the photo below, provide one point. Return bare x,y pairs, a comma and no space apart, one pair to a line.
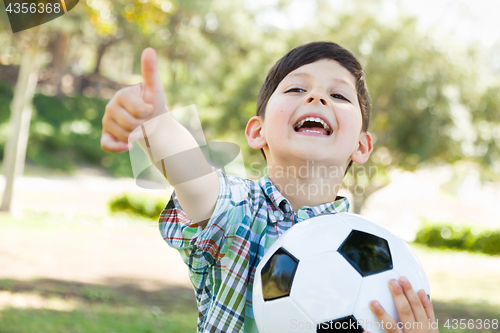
199,247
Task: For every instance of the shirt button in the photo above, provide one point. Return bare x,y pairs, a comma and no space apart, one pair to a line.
277,213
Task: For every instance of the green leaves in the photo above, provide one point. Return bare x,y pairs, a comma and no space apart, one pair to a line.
139,204
452,236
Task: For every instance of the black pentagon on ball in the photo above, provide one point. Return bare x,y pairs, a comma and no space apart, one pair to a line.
367,253
346,324
277,275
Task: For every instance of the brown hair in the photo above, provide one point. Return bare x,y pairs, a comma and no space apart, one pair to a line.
309,53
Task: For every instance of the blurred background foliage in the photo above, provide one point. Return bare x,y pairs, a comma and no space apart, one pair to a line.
432,105
459,237
147,206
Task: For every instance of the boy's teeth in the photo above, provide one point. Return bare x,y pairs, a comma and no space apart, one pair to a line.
315,119
312,131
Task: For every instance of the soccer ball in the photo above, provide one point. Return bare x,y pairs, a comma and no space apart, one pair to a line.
322,273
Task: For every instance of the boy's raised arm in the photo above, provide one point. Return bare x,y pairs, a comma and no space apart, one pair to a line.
178,155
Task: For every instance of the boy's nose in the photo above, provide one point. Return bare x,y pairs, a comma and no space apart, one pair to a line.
313,99
317,96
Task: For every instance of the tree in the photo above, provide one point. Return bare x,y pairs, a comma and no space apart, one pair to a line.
31,43
486,123
21,110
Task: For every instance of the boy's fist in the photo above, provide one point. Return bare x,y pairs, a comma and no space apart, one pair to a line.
132,106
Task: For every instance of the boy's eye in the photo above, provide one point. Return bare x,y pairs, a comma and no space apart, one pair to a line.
295,90
340,97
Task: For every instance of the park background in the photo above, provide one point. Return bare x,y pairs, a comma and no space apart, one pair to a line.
80,249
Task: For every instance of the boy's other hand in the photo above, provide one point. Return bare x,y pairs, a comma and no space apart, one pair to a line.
132,106
415,310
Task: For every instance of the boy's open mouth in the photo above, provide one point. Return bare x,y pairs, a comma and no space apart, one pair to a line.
312,125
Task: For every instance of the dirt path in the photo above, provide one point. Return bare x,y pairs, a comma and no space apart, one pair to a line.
87,194
91,255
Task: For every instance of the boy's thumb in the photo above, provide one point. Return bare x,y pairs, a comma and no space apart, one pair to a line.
152,87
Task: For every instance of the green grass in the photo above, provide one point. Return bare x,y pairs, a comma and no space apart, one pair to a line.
88,308
126,307
95,319
450,313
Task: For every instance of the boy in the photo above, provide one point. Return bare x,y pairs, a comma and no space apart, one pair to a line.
312,119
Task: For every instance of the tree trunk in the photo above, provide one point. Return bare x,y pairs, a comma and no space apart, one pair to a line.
21,109
59,60
357,192
100,53
361,190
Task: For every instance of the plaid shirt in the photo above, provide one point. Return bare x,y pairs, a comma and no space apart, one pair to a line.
249,216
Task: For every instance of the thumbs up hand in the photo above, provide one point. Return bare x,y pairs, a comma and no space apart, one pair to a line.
152,88
132,106
197,189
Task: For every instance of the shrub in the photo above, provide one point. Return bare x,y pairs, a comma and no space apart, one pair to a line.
6,96
65,133
462,237
149,206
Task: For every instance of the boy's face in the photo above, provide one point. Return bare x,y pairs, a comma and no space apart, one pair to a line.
325,91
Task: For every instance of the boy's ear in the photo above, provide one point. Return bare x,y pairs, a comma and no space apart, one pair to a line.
253,132
365,147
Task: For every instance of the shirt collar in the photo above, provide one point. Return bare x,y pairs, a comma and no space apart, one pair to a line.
341,204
